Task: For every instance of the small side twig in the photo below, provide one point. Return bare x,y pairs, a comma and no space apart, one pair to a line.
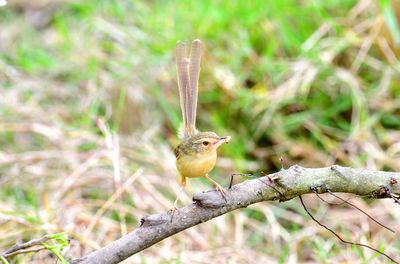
340,238
31,243
38,244
281,195
325,201
24,251
248,175
350,204
314,189
362,211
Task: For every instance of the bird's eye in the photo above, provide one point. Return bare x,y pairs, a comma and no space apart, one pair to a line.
206,143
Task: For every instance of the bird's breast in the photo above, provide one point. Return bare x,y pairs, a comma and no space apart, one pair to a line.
195,166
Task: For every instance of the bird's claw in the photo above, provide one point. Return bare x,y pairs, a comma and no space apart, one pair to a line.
221,191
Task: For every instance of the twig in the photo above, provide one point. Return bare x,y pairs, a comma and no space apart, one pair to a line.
248,175
24,251
38,244
325,201
34,245
362,211
352,205
31,243
340,238
281,195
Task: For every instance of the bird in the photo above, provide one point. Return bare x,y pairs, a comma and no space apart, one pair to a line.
196,155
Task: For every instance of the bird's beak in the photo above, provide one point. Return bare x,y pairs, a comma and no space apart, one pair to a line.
222,140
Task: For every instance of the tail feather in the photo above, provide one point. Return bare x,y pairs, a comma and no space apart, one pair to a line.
188,70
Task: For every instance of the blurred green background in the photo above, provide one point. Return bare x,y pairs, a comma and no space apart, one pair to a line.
89,111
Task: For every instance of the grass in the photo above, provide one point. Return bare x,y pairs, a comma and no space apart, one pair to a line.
89,105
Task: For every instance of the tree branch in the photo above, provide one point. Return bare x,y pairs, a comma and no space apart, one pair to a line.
283,185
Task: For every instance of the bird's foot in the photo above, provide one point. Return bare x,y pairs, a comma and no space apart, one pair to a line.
221,191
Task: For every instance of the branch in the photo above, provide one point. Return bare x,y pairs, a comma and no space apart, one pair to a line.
283,185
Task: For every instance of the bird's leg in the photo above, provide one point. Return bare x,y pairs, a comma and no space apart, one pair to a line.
177,197
219,187
174,208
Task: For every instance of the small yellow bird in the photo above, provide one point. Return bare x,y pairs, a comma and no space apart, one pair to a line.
196,155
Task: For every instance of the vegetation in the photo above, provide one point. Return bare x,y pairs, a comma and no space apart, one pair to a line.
89,111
